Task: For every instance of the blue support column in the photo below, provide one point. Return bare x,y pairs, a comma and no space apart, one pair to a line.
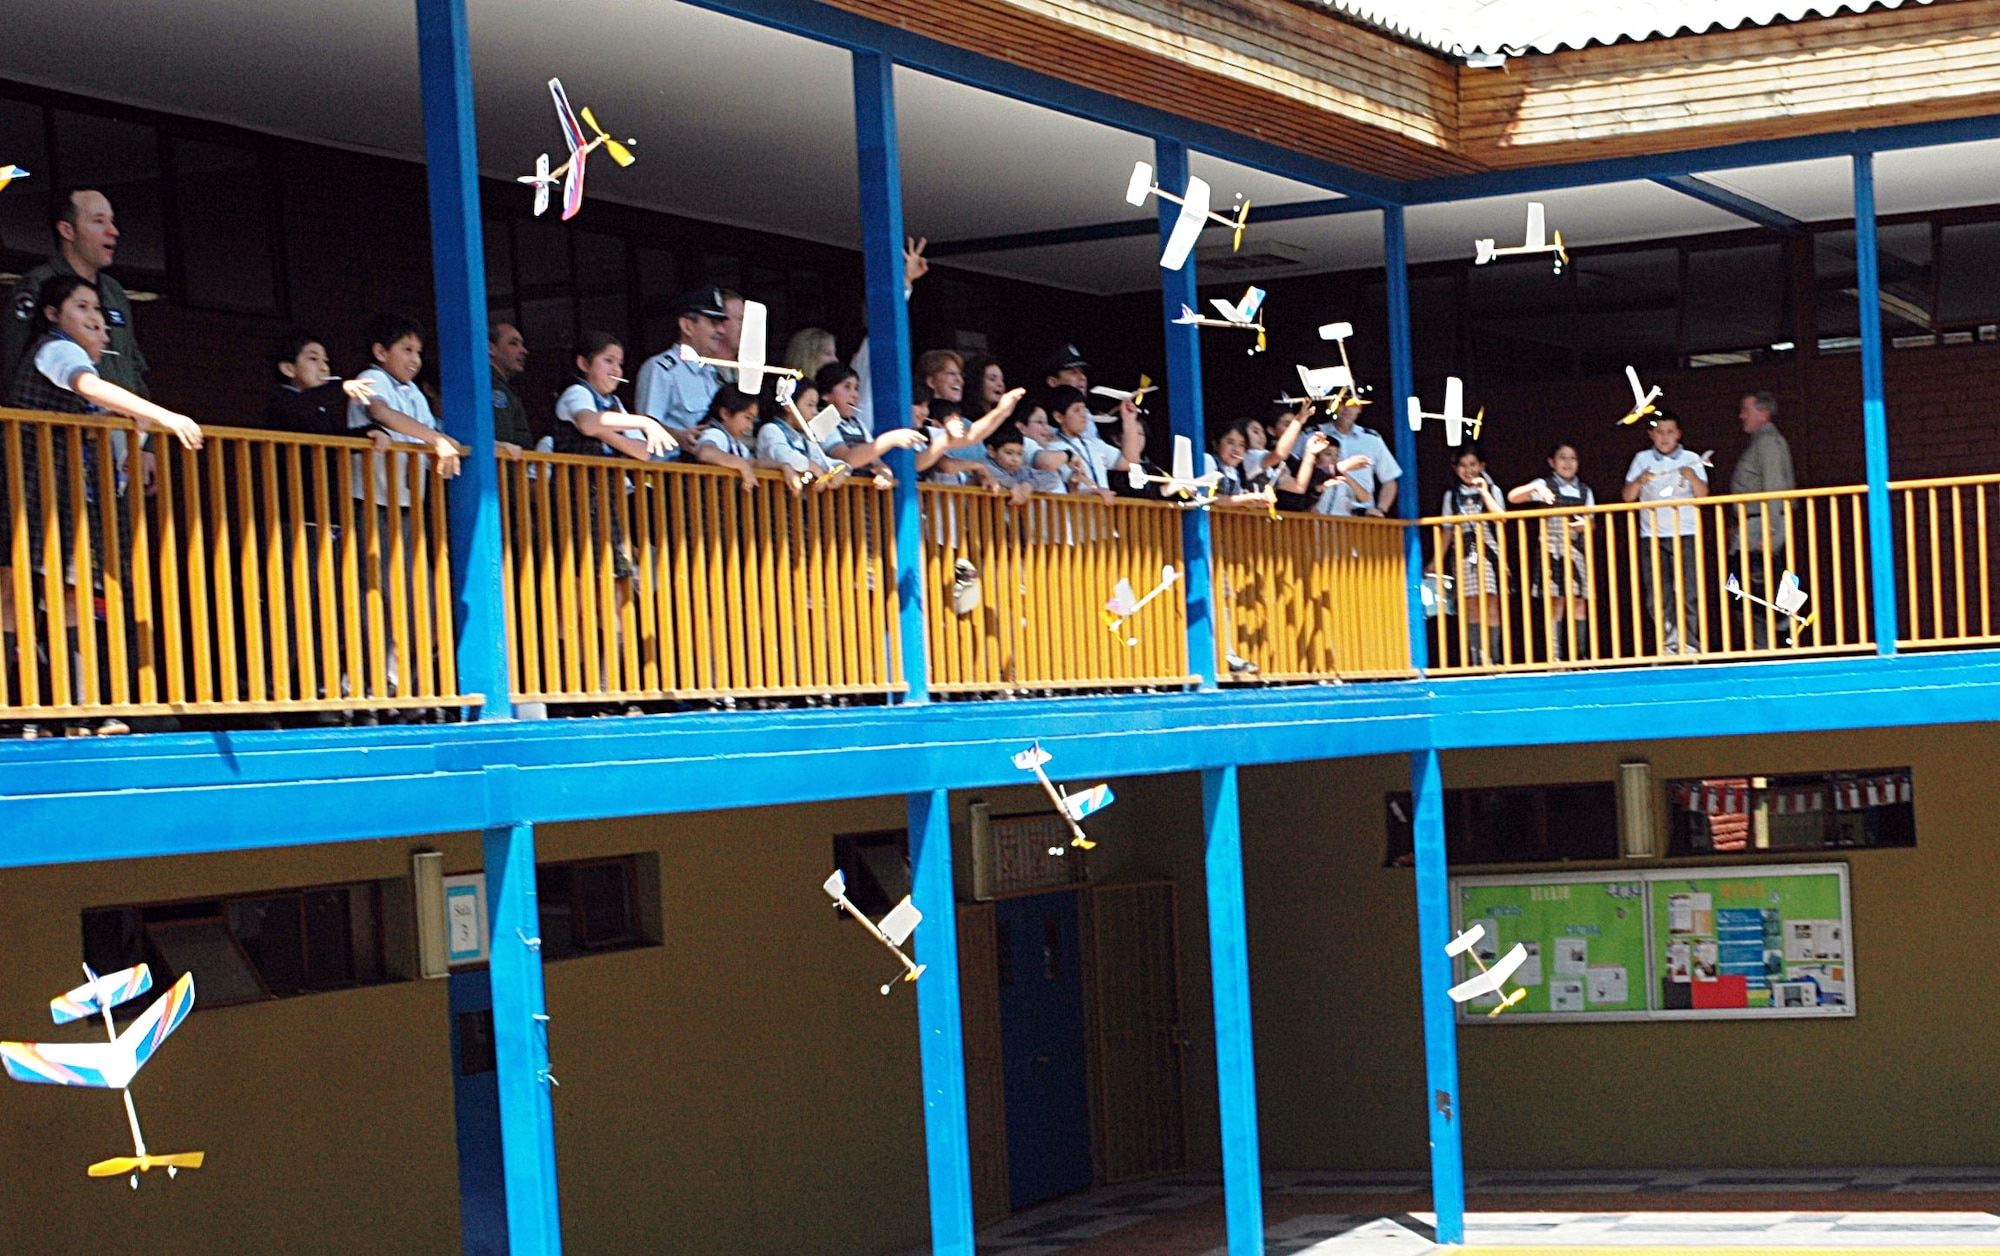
889,339
458,273
1184,406
521,1043
1440,1017
1396,263
947,1144
1229,973
1874,416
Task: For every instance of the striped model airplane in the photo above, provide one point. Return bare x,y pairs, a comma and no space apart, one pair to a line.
1244,314
1072,807
110,1065
10,173
571,171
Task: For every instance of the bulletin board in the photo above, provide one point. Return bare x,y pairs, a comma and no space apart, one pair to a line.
1752,942
1586,940
1742,942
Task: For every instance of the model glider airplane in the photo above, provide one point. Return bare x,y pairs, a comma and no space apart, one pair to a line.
110,1065
1537,242
749,363
10,173
1339,334
1194,216
1137,396
1245,314
1181,482
1072,807
894,930
1124,605
1490,980
571,171
1453,415
1642,399
1788,600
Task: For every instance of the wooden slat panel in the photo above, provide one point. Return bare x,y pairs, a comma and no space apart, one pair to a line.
985,1079
1139,1088
1824,74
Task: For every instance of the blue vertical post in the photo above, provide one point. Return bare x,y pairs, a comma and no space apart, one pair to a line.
521,1043
1874,415
458,275
1229,973
1184,407
947,1144
889,339
1396,264
1440,1015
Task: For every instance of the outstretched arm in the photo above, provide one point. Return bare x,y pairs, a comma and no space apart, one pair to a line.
102,392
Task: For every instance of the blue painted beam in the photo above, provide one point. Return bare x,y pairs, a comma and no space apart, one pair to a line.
1229,973
68,801
829,24
889,355
458,276
1184,407
1874,412
1396,266
940,1026
1696,160
1442,1096
1132,228
1733,202
521,1043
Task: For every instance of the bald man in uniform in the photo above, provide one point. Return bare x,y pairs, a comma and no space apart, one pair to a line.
86,243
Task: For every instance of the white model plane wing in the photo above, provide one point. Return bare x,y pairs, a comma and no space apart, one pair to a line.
1538,231
1141,185
1638,393
98,993
1187,227
1490,981
901,921
1790,598
1123,600
1336,331
1183,459
1465,941
752,348
1321,381
1031,758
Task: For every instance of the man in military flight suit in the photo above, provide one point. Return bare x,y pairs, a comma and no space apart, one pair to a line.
87,242
509,353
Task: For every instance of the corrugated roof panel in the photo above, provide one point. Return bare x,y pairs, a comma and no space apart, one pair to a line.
1465,27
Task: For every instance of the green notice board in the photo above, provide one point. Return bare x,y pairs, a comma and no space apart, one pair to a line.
1752,942
1586,940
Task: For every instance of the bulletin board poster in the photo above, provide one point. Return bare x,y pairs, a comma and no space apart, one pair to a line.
1586,939
1752,942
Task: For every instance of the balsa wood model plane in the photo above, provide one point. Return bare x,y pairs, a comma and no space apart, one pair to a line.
1490,980
1483,251
1452,416
894,930
1073,808
1244,314
1194,216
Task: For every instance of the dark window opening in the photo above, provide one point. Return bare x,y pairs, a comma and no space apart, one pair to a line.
251,948
589,906
1520,824
877,869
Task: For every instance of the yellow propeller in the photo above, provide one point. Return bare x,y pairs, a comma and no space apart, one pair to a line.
1477,421
1509,1001
1145,386
1243,220
119,1166
1561,252
619,152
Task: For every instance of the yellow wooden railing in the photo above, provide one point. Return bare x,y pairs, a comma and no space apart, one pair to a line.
630,581
1310,597
247,578
1045,570
1507,605
1946,543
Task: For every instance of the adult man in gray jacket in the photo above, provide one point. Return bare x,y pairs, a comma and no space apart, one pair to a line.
1764,467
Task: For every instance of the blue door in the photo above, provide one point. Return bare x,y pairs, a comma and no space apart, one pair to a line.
1042,1046
482,1188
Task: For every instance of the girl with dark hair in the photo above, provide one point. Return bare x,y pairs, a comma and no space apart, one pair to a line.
592,420
1566,578
985,382
725,434
854,441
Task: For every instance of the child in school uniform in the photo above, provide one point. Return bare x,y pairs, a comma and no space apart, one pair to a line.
1011,473
786,440
59,374
396,405
852,442
311,400
1670,537
1474,549
725,435
590,417
1568,577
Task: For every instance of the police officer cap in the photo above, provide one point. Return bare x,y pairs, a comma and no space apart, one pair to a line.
706,302
1063,359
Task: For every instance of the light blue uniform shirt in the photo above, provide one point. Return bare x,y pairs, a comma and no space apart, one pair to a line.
674,391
